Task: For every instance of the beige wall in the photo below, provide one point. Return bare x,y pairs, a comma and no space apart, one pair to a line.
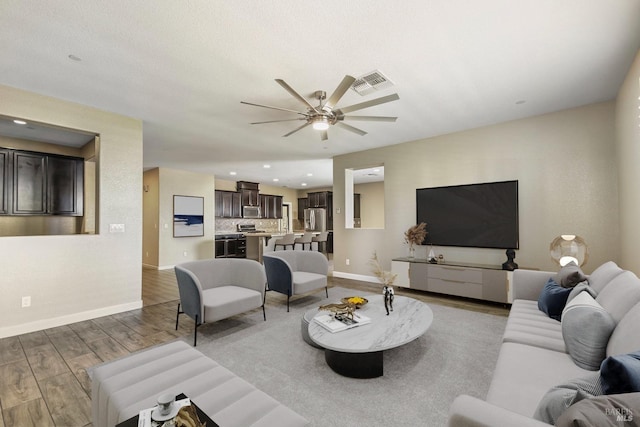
628,158
78,277
151,217
371,204
175,250
565,164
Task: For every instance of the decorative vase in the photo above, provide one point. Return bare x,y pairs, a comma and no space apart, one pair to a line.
412,252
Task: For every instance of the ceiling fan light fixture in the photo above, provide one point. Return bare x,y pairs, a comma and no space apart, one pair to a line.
321,123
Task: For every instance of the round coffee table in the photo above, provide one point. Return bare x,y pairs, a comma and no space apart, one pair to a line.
357,352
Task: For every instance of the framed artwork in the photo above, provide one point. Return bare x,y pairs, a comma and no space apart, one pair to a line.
188,216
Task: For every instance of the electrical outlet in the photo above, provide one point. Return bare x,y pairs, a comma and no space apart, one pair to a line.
184,253
347,261
26,302
116,228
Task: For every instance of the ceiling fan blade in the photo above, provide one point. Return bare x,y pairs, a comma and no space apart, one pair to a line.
368,104
369,118
273,108
351,128
297,129
342,88
323,135
276,121
296,94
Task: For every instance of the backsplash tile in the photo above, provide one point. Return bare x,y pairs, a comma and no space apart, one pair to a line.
230,225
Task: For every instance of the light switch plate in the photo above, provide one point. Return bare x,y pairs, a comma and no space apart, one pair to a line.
116,228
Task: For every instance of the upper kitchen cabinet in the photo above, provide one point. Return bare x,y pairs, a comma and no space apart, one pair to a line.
320,199
46,184
228,204
271,206
4,180
303,203
249,192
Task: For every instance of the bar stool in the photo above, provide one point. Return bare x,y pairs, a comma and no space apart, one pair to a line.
287,240
321,238
304,240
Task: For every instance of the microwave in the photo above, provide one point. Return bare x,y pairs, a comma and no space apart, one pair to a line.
251,212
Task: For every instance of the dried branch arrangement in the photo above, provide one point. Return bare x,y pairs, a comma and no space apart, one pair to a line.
386,277
416,234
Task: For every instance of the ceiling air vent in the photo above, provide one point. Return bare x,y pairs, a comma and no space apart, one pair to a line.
371,82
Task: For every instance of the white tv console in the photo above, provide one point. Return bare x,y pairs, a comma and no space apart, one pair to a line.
478,281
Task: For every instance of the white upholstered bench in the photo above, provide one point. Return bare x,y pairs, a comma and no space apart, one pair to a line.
120,389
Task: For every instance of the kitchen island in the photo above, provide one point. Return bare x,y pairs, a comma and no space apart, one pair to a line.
260,242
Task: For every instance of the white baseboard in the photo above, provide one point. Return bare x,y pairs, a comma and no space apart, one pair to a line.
361,277
38,325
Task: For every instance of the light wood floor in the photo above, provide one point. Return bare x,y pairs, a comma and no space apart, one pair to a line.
43,378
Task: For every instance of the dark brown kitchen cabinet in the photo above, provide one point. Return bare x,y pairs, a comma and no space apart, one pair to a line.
228,204
45,184
4,181
271,206
303,203
319,199
65,186
249,192
356,205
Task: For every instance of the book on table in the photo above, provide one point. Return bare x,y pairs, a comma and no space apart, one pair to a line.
341,322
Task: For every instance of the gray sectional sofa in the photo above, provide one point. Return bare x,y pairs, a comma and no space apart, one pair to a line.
120,389
534,355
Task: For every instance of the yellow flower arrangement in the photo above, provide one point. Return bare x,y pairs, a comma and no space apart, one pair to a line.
355,300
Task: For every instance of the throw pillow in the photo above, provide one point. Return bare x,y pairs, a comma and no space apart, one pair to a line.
570,275
582,286
603,411
586,328
621,374
560,397
552,299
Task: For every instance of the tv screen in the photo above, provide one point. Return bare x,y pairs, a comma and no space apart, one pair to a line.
476,215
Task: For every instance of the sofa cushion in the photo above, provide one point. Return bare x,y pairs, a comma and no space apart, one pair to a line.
226,301
304,282
560,397
528,325
602,275
523,374
621,374
552,299
625,338
586,328
603,411
569,276
622,293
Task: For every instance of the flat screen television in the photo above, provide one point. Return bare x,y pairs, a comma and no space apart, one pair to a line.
477,215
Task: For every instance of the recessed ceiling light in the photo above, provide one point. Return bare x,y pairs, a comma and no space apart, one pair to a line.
75,58
309,174
376,170
266,166
19,122
275,180
304,184
233,173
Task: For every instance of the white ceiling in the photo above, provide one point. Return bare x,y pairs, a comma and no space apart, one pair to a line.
184,66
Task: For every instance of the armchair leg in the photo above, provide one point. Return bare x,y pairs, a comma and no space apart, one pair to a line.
326,291
264,315
177,316
195,331
288,296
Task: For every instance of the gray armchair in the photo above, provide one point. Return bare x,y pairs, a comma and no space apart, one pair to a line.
296,272
215,289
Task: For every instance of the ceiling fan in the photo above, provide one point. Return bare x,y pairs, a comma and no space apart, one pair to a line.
325,114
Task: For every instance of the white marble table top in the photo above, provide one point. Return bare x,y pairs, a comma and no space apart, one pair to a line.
409,319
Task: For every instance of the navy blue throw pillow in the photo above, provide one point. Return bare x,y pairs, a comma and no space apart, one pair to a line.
552,299
621,374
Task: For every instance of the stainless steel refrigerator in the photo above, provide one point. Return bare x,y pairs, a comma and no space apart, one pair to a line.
315,219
